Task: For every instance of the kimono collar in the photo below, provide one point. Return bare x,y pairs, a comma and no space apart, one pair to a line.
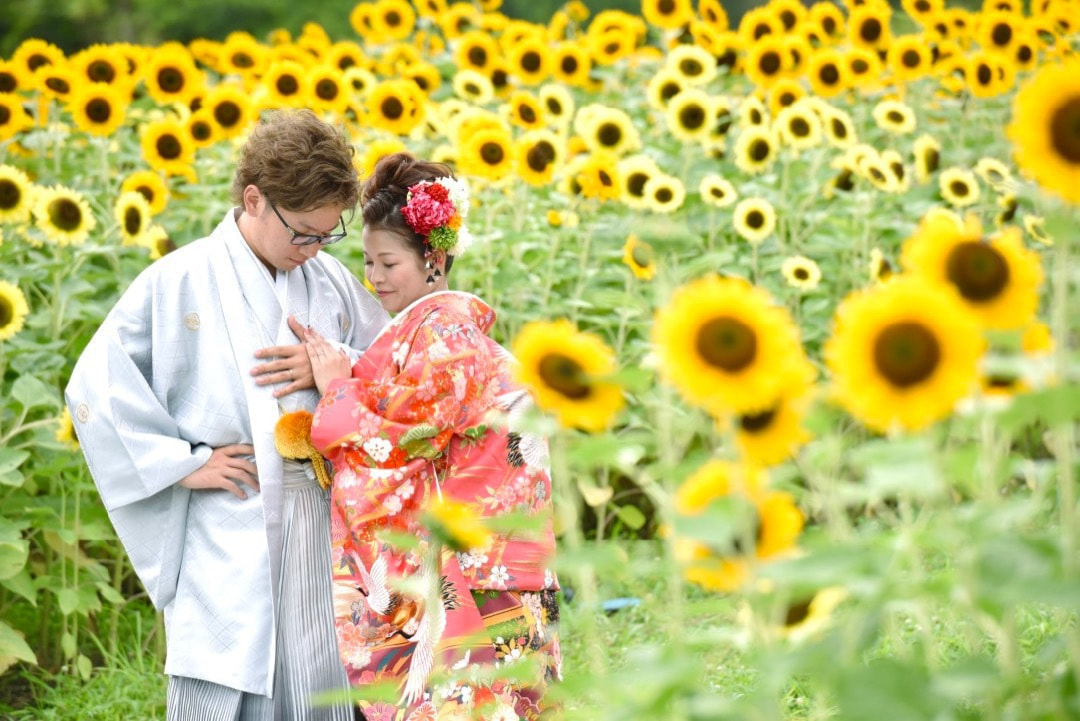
465,304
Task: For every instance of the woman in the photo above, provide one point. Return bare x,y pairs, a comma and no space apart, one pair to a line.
418,438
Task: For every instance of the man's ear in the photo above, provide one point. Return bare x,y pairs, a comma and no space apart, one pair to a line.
252,198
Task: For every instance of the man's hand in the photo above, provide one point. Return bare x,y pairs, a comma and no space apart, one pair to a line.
290,365
226,470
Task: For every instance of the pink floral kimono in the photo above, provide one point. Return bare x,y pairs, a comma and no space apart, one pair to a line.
429,410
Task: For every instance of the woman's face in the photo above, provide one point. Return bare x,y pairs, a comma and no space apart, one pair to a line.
395,271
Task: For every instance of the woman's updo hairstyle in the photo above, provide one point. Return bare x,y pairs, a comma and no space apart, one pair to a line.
385,193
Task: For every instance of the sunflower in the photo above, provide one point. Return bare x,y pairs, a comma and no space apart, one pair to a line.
801,272
998,31
838,127
903,353
717,192
756,149
725,345
1034,225
784,93
1045,128
396,106
774,434
488,153
63,215
994,173
595,175
13,116
374,151
557,104
101,64
927,152
610,46
476,50
241,54
16,195
909,57
767,60
664,193
634,173
1007,204
34,55
167,147
828,17
828,73
667,14
171,76
202,129
65,431
757,24
156,239
524,110
639,257
989,74
880,267
285,84
567,368
97,108
689,115
895,117
1025,51
806,617
473,86
997,277
571,64
754,219
798,126
694,64
13,310
151,185
56,81
876,169
530,61
393,20
230,109
14,78
958,187
327,91
346,54
864,67
752,112
868,26
607,129
132,213
539,153
664,85
458,20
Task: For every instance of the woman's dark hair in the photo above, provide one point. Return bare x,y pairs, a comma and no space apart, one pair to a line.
384,194
299,162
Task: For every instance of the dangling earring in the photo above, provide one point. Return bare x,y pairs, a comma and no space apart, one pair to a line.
437,273
430,280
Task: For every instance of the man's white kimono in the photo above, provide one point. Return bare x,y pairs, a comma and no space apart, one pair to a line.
165,380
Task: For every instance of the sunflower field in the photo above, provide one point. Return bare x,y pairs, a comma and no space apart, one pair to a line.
797,293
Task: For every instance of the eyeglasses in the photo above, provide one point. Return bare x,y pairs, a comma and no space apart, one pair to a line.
306,239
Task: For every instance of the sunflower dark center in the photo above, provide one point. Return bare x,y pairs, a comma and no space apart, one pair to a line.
171,80
839,128
605,178
568,64
770,63
540,156
327,89
169,147
669,90
692,117
727,343
99,110
717,192
133,221
492,153
554,107
859,66
65,214
722,122
755,219
392,108
788,18
922,6
759,150
801,274
393,18
870,30
906,353
531,61
911,59
477,56
797,612
983,74
635,184
876,174
664,195
101,71
757,422
612,48
828,25
609,135
227,113
895,117
1001,35
829,74
527,114
978,270
762,30
564,375
642,255
691,67
287,85
7,83
1065,129
37,60
665,7
799,127
959,188
7,312
58,85
10,194
146,192
499,78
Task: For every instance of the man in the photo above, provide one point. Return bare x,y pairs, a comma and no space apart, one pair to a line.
228,538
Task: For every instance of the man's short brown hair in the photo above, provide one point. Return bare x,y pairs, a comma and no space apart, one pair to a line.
298,162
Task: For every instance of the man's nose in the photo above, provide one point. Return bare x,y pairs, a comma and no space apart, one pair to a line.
310,251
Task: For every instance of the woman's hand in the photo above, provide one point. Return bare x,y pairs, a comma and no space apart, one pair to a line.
327,363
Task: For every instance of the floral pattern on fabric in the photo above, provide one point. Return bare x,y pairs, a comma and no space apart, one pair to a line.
424,414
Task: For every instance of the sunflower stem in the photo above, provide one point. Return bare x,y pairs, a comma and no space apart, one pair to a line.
1063,434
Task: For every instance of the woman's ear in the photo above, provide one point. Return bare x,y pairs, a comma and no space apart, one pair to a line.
438,259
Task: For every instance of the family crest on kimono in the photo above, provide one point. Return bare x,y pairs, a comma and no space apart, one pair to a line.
425,417
229,539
